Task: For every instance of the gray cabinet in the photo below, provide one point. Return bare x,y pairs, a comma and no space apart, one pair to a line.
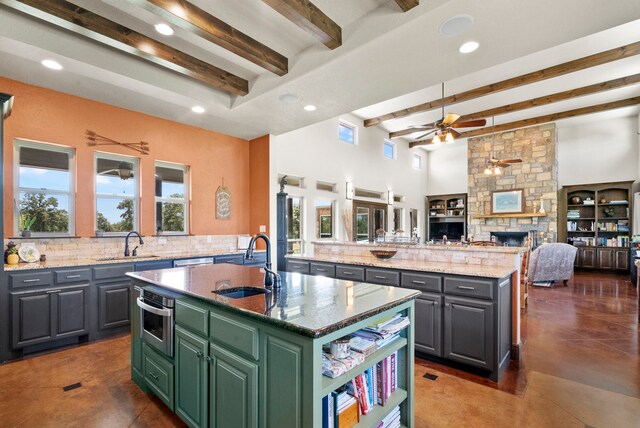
114,301
72,312
153,264
469,331
235,259
322,269
352,273
428,324
382,276
297,266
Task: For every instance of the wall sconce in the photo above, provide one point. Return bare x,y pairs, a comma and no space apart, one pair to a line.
390,197
349,191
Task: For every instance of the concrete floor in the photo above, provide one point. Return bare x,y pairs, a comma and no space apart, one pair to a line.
580,367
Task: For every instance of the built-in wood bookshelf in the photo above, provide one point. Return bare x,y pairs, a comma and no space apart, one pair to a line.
447,215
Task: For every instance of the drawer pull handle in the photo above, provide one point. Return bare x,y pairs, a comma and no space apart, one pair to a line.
208,358
321,270
419,282
53,291
380,277
347,273
464,287
153,375
31,280
447,305
72,276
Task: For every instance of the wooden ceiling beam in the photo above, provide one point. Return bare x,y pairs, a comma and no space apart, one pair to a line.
514,82
114,35
307,16
406,5
538,102
541,119
190,17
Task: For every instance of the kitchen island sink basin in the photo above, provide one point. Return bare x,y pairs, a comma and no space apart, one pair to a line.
241,292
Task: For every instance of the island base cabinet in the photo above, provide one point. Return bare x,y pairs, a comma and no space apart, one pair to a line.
428,326
191,366
233,390
468,331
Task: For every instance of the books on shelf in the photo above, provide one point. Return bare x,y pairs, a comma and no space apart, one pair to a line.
362,345
392,420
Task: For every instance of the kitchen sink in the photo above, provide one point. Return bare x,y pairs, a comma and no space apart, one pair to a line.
241,292
112,259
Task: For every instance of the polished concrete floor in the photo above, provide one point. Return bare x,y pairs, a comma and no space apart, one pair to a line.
580,367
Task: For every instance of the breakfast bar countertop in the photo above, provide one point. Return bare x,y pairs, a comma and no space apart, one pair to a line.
312,306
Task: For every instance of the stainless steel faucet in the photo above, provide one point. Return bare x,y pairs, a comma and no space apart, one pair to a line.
126,243
271,278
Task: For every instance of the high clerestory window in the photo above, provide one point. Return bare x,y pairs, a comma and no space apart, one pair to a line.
44,189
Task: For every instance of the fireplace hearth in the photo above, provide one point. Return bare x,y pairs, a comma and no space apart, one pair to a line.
510,239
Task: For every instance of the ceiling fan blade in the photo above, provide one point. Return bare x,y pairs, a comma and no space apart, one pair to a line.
455,133
426,125
511,160
450,118
470,123
419,137
503,165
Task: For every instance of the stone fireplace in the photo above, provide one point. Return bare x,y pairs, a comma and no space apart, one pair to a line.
537,175
509,239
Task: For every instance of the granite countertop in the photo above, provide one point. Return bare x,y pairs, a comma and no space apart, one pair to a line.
309,305
110,260
437,267
452,247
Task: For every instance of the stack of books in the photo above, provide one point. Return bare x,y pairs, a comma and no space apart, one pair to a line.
384,332
339,410
392,420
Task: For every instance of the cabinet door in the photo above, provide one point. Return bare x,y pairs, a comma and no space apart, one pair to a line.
233,390
469,331
606,258
588,258
32,318
72,312
622,259
191,378
136,337
576,262
428,324
114,305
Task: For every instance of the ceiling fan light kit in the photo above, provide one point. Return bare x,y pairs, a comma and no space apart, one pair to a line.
494,164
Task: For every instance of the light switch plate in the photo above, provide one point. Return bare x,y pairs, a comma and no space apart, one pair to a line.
263,228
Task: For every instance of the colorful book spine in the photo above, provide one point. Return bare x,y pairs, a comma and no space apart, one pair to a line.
394,373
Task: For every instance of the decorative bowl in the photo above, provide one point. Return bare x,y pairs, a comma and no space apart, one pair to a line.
383,254
576,200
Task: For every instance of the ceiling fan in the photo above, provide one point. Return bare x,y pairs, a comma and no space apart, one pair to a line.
494,164
444,128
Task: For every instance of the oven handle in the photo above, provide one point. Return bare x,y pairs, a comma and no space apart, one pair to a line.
153,310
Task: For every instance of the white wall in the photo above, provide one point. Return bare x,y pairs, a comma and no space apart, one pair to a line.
598,152
315,153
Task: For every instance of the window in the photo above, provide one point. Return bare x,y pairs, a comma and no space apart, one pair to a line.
171,198
116,193
292,180
347,132
326,187
294,225
44,189
417,161
372,194
324,219
389,149
413,220
398,214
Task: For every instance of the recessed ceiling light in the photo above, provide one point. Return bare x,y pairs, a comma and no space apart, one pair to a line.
469,47
456,25
289,98
310,107
198,109
49,63
164,29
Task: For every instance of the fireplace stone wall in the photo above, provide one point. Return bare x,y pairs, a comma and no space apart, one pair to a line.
537,175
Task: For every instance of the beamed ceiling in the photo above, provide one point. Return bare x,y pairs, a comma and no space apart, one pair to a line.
384,60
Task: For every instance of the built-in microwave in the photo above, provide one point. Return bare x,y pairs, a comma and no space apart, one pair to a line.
157,320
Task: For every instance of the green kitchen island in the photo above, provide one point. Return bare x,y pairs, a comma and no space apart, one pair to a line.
256,361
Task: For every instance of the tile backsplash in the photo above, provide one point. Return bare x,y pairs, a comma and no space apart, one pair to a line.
57,249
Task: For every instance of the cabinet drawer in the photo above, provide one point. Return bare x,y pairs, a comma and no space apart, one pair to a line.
384,277
192,317
234,334
300,267
259,257
236,259
322,269
158,374
422,282
350,272
469,287
31,279
72,275
103,273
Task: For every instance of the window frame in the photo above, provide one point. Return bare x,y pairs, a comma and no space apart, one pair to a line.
71,193
301,240
394,149
332,203
136,189
421,163
353,127
184,200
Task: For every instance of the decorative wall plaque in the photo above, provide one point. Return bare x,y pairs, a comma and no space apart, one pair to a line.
223,203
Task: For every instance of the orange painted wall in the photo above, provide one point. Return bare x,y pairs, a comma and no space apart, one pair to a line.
44,115
259,185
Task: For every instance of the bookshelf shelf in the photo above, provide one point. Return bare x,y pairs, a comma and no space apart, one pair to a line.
379,412
329,384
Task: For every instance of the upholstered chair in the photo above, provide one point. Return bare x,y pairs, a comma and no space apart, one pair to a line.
552,262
